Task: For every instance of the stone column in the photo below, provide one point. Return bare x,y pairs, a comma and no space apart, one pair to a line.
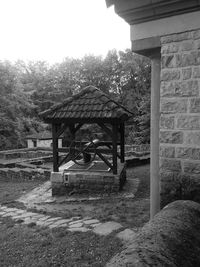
155,118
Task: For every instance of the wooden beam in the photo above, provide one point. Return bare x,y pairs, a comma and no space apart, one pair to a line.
55,148
114,142
105,160
66,158
122,142
72,130
78,127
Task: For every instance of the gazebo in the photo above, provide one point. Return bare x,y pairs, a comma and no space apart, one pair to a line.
90,106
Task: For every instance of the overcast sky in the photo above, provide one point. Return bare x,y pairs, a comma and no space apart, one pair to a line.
54,29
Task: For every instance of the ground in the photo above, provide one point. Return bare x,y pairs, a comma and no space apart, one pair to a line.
31,245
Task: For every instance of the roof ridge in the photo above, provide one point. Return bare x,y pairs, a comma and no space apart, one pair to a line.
88,96
69,99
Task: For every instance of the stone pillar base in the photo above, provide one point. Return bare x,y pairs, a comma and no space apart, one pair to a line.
88,181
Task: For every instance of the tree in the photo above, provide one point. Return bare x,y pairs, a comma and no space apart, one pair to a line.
29,88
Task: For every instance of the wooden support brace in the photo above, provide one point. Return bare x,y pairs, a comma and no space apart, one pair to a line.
61,130
78,127
106,129
105,160
66,158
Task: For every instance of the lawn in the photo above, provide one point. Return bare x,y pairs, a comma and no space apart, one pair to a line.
33,246
22,246
10,191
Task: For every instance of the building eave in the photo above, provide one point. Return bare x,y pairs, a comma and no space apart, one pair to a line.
138,11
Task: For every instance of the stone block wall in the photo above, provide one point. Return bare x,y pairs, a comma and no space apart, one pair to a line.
26,174
87,182
180,117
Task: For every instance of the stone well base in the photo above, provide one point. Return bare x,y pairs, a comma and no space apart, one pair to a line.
67,181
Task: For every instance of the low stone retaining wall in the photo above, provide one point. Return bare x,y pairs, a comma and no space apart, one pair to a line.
171,239
137,150
24,153
25,174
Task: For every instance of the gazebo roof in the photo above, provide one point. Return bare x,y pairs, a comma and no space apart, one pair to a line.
90,104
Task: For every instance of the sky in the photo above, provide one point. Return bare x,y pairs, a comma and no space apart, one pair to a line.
54,29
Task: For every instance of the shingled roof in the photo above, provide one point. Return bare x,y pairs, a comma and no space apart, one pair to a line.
90,103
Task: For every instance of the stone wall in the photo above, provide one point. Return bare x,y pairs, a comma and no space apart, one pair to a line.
26,174
88,182
180,117
24,154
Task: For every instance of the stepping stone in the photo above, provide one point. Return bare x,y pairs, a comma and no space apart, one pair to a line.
53,219
107,228
93,221
74,222
22,216
76,218
3,208
59,224
44,218
96,224
38,216
80,229
9,214
66,220
19,216
19,212
44,223
11,209
62,221
28,220
76,225
28,214
126,235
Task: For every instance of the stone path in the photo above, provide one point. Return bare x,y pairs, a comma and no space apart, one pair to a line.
74,224
41,199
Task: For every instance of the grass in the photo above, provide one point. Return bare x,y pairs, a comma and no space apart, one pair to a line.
130,213
10,191
133,212
22,245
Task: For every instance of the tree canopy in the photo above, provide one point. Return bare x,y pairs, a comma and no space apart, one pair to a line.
29,88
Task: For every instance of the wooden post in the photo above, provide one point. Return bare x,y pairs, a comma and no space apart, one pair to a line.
72,136
155,118
55,148
114,143
72,131
122,142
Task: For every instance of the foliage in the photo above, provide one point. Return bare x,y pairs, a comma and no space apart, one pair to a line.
29,88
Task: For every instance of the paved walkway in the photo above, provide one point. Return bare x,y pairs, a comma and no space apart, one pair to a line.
41,199
73,224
